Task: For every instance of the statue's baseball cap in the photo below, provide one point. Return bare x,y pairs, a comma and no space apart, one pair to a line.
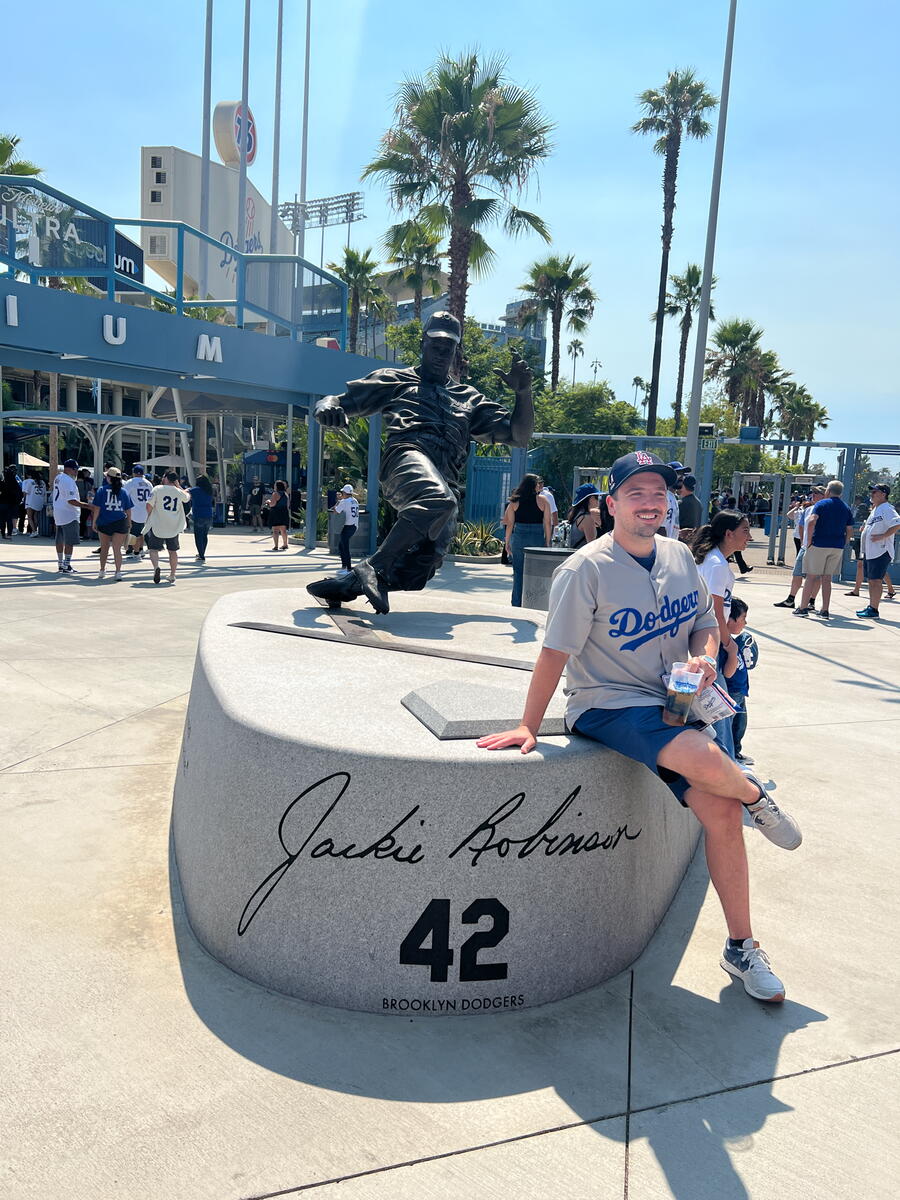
633,464
443,325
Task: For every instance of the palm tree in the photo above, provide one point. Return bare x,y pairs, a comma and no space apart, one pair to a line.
464,143
683,301
638,383
10,163
415,252
817,418
359,272
671,112
381,308
791,407
560,287
574,349
734,343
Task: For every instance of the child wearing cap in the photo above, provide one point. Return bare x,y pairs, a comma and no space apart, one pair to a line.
348,506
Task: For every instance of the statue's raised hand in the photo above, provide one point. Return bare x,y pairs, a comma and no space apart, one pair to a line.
330,414
518,377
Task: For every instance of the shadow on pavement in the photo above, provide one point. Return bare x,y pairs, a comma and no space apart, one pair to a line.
583,1047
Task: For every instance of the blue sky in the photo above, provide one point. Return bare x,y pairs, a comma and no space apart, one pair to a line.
807,244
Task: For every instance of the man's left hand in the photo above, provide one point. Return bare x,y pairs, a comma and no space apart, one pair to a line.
695,664
518,377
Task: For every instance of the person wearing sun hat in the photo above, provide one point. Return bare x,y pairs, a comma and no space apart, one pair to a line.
621,611
587,520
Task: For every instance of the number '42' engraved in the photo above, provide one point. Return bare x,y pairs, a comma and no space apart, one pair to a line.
434,923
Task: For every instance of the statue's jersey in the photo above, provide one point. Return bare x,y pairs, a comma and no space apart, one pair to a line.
439,419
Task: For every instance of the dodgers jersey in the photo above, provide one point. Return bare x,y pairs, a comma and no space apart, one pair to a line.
621,625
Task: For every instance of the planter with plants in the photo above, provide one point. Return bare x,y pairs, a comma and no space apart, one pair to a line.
475,541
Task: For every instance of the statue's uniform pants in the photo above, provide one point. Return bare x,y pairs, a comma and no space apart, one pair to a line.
416,485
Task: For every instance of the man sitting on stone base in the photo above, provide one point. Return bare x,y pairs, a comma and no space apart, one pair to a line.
622,609
429,420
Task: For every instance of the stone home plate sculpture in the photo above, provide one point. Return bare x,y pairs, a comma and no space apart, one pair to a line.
340,838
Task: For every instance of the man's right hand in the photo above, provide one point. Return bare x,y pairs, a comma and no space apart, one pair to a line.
330,414
521,736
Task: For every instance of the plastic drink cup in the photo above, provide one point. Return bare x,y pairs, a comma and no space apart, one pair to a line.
680,693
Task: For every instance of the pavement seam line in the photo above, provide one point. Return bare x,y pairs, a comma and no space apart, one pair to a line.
628,1084
522,1137
99,729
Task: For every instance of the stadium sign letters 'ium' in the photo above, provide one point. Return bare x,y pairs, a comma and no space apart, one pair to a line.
304,835
115,332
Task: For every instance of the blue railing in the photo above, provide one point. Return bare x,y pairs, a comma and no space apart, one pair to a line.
45,233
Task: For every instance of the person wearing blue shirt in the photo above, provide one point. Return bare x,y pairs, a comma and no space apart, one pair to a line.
201,514
830,527
111,520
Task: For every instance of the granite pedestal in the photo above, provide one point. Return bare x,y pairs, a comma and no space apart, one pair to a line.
540,563
340,838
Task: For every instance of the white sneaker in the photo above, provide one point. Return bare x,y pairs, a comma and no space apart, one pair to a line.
101,575
117,577
171,579
751,965
779,827
34,535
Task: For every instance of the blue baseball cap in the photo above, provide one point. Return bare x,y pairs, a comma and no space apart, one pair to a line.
71,464
634,464
137,469
586,489
679,468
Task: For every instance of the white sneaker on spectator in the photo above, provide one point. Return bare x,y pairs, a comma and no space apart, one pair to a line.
751,965
779,827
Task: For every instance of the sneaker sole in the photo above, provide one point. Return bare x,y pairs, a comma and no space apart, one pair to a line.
777,998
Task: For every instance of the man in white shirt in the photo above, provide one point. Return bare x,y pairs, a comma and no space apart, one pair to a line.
877,545
139,489
622,609
348,507
66,504
166,519
35,500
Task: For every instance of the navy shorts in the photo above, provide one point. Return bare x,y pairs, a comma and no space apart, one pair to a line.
639,733
877,568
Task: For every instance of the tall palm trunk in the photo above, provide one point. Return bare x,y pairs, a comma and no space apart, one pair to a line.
670,173
686,321
417,301
353,330
556,316
460,246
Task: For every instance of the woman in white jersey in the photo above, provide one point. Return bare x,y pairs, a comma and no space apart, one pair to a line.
728,533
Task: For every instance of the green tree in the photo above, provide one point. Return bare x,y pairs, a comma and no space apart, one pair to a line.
671,113
359,272
416,255
10,162
574,349
558,287
729,360
683,301
463,146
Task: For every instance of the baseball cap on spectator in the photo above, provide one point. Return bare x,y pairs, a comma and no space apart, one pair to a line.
114,472
679,468
586,489
689,481
72,464
637,462
137,469
880,487
347,488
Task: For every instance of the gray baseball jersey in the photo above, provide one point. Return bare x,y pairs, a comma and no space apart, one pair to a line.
624,626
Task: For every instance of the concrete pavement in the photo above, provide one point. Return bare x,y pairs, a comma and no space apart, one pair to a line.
136,1066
